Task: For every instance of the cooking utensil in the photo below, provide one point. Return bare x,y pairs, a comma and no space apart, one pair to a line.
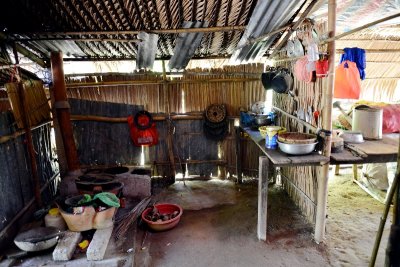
352,137
297,149
266,79
37,239
282,81
297,138
262,120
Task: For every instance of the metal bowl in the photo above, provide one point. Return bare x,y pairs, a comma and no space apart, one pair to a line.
352,137
37,239
297,149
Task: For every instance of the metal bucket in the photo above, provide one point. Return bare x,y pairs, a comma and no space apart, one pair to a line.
368,121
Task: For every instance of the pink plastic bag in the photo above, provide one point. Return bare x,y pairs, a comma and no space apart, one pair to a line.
391,119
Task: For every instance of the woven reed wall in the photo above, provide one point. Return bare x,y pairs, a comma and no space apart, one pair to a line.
38,109
236,86
301,183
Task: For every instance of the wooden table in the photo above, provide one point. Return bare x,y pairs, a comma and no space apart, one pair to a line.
371,151
274,158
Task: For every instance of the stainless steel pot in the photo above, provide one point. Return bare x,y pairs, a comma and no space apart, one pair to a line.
297,149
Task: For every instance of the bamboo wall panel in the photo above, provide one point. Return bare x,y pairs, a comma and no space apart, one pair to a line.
15,173
180,98
302,182
104,143
38,109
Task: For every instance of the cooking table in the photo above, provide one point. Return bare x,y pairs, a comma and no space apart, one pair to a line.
274,158
370,151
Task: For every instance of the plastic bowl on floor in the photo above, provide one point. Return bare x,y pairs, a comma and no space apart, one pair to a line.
163,208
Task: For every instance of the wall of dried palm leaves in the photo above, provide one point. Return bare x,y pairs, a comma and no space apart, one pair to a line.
235,86
301,183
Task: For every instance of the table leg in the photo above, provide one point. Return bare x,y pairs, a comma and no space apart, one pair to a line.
355,172
238,156
337,168
263,169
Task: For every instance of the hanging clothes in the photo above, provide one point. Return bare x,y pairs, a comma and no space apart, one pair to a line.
356,55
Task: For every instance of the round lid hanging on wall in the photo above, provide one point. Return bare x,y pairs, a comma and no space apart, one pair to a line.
216,113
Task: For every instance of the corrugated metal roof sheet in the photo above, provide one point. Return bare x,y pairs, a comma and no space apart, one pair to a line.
147,50
186,45
267,17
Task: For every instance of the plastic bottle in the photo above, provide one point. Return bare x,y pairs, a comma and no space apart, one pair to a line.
54,219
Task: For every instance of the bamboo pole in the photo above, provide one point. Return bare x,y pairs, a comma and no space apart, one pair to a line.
80,40
6,138
322,194
306,124
146,82
332,38
290,29
62,108
383,219
156,31
28,133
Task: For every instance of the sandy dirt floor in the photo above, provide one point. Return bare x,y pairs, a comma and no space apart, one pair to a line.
218,228
353,220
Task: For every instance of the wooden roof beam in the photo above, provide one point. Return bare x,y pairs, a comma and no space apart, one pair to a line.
24,51
158,31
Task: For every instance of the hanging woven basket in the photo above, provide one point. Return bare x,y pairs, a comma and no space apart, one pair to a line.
216,113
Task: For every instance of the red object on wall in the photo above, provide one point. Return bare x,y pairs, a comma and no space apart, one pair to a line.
146,137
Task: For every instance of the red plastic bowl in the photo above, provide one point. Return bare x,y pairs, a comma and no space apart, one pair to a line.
163,208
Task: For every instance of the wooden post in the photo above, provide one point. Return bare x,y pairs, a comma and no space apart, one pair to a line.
355,172
337,169
263,171
170,143
322,195
28,133
238,156
62,109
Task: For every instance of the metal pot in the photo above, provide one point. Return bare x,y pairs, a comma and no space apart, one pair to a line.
38,239
297,149
262,120
282,81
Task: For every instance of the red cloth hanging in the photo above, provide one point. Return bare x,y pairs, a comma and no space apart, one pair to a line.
147,137
347,81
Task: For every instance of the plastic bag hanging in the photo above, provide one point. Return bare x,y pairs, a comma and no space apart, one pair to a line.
347,81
